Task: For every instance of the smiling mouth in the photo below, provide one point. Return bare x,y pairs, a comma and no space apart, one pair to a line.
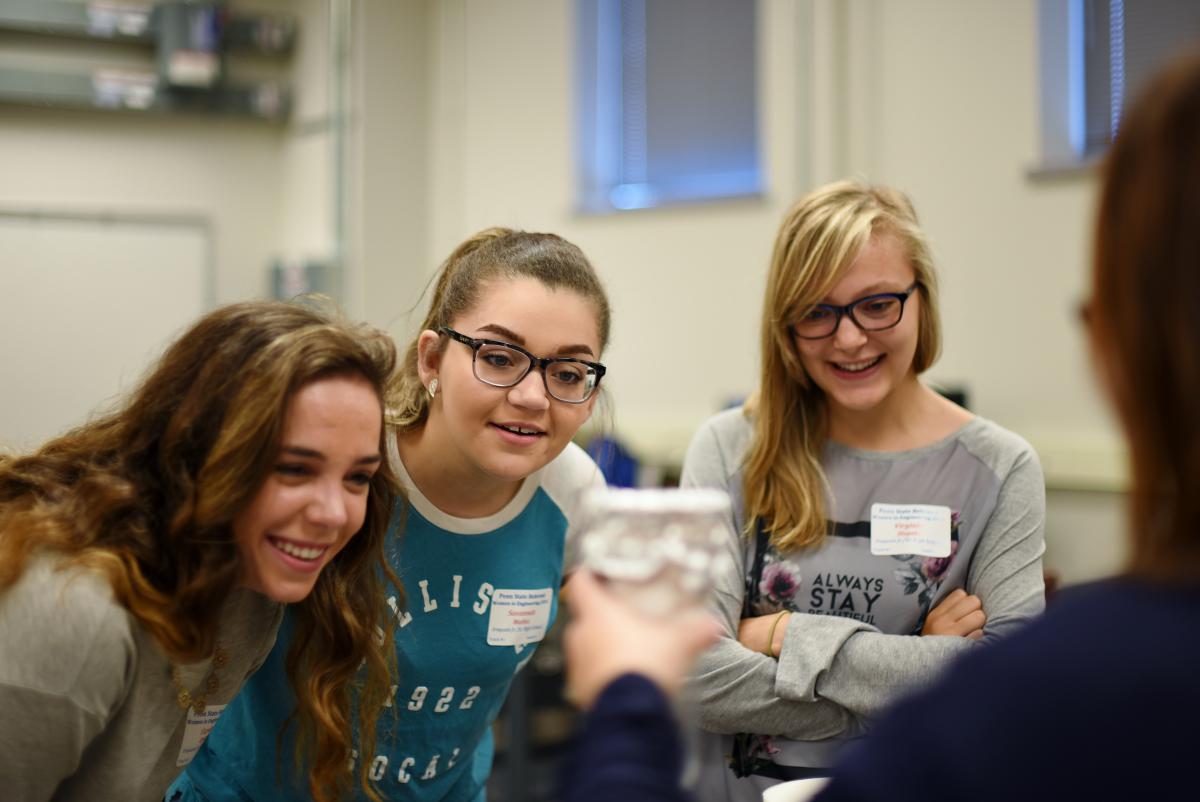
858,367
521,430
306,553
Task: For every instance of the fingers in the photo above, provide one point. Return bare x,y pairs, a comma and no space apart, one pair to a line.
973,621
957,604
581,583
607,638
942,609
959,614
587,597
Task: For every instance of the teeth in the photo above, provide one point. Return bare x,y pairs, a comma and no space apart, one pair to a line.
519,430
298,551
854,367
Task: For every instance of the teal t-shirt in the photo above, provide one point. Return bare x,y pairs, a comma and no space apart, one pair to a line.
480,594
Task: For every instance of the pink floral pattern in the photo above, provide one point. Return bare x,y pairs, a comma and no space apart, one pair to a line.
934,568
779,584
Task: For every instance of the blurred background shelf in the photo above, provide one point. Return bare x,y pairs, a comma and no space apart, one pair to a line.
166,57
137,91
138,23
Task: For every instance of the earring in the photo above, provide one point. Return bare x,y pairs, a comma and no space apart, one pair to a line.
433,388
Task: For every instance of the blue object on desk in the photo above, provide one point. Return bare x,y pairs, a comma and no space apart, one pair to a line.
619,466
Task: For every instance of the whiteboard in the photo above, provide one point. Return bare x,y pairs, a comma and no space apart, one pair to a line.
87,302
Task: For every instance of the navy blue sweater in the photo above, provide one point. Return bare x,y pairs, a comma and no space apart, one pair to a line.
1098,700
629,749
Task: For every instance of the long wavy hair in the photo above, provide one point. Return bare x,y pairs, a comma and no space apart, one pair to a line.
494,253
1144,321
821,236
146,495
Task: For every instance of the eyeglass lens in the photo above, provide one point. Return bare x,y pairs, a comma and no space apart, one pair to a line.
504,367
871,314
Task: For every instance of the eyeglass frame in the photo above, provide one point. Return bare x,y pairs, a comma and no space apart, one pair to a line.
540,362
848,311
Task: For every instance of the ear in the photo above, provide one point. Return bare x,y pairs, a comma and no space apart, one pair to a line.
429,355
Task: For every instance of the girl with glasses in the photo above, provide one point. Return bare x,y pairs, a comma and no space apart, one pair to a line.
145,558
879,530
505,370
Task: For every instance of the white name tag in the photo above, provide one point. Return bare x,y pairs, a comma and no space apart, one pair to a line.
199,725
519,617
910,529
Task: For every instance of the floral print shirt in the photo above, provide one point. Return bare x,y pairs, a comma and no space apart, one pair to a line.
852,645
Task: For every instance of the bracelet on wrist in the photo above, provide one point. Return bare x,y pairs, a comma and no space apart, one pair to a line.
770,650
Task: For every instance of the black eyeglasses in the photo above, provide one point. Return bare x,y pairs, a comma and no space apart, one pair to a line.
502,364
870,313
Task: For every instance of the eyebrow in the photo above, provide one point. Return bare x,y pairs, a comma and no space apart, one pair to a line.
878,288
517,339
310,453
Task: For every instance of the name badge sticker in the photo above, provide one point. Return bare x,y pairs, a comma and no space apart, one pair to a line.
519,617
910,529
199,725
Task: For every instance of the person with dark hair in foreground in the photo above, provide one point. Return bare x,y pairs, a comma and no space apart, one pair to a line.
1099,699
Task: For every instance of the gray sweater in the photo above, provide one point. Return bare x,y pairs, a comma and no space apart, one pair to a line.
88,707
851,645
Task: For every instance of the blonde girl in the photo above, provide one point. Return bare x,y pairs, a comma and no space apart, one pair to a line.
879,530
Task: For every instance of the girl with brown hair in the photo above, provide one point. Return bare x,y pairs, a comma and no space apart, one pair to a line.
504,371
870,513
145,557
1099,699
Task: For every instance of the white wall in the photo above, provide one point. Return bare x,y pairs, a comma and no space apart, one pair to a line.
227,171
78,330
939,97
304,193
390,180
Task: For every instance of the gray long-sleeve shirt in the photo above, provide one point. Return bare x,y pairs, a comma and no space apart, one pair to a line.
88,709
850,647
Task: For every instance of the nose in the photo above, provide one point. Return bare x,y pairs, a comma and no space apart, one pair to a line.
530,392
328,508
848,335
